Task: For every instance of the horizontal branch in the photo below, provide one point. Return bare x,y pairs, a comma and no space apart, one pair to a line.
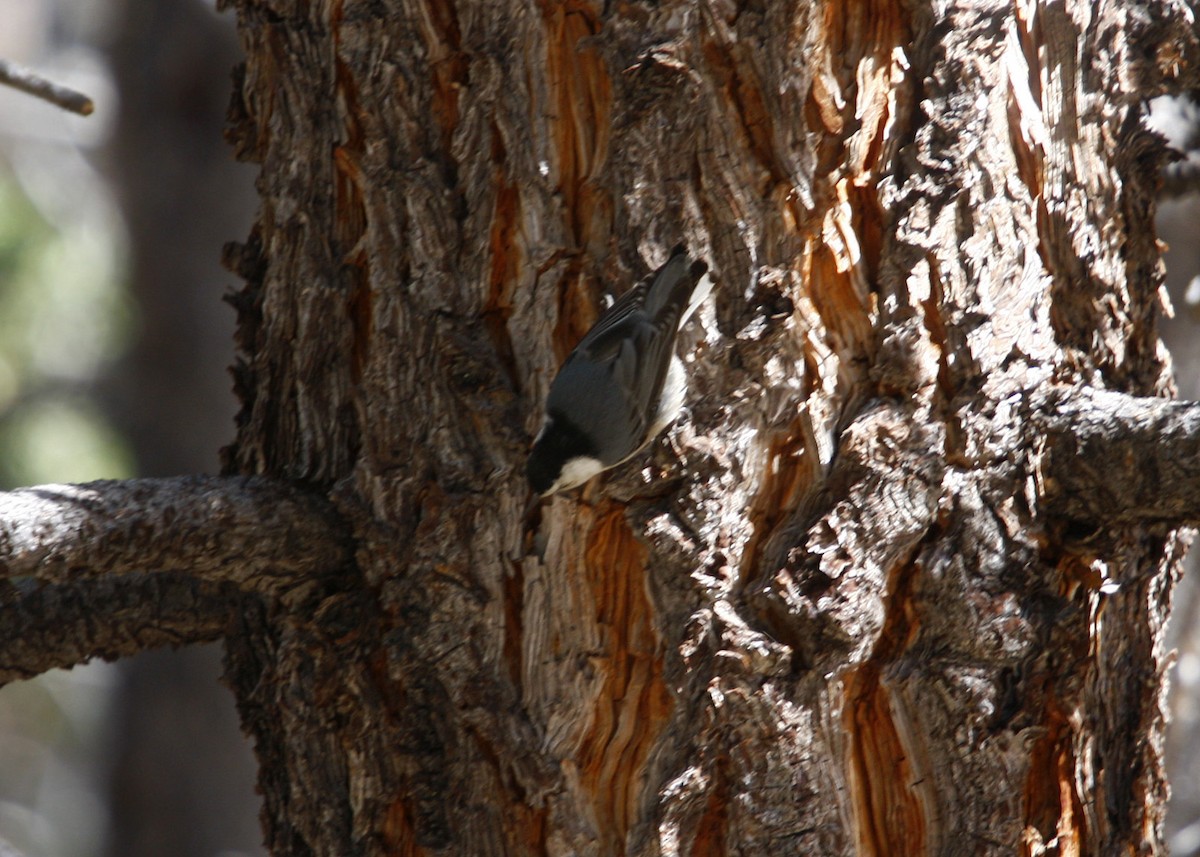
261,535
1111,458
48,626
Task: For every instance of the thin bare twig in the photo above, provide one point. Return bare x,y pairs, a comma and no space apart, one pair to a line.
32,83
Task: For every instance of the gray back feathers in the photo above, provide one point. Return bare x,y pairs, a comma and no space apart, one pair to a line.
615,375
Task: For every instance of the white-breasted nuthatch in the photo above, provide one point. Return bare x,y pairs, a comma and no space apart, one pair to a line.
622,384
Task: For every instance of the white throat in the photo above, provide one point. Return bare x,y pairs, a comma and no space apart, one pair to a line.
576,471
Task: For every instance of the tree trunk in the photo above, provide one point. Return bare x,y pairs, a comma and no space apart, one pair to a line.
846,607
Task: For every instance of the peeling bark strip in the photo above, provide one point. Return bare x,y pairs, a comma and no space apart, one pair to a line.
261,535
830,613
632,706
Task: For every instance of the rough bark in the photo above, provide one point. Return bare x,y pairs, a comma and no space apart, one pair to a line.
835,613
48,626
262,536
1119,459
847,607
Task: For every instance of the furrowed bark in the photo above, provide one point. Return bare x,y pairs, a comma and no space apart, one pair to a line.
831,613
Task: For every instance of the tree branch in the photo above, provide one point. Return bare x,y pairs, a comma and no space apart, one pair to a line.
263,536
32,83
1117,459
60,625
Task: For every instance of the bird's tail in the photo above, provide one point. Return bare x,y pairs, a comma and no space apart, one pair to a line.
678,283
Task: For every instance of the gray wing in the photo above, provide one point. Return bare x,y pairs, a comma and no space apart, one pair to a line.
661,298
621,363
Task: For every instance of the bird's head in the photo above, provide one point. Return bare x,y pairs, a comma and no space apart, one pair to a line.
562,457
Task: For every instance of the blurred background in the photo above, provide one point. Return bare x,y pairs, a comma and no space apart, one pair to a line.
114,344
1179,227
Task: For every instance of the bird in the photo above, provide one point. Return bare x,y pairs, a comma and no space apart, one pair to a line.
622,384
